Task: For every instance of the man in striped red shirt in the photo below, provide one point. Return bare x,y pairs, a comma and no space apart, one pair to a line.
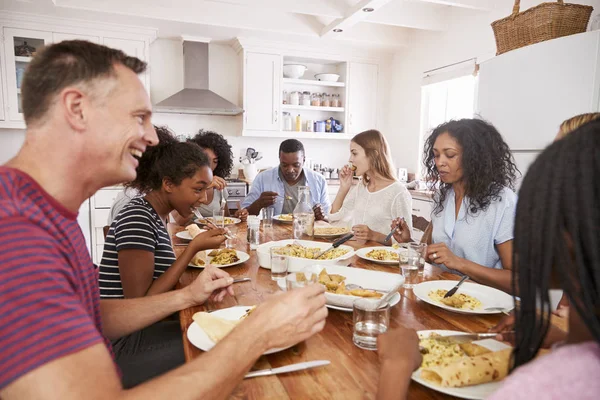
88,119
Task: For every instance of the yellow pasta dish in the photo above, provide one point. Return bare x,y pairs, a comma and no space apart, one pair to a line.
336,284
457,300
285,217
332,230
223,257
383,255
296,250
226,221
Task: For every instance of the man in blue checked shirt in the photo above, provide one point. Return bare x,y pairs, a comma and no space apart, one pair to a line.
278,187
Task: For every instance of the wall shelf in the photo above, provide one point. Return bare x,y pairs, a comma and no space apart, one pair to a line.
311,108
309,82
298,135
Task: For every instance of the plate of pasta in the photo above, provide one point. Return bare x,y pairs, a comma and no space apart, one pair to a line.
221,258
379,254
302,253
471,298
330,231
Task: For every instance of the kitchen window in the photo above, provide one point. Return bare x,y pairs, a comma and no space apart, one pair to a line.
446,93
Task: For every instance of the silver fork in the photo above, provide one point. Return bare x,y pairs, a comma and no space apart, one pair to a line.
223,201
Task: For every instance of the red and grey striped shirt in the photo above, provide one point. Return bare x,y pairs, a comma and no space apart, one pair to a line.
49,296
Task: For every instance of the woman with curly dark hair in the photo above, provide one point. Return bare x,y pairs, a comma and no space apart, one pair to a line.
219,154
473,217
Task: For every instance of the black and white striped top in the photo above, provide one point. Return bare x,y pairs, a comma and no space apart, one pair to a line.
139,227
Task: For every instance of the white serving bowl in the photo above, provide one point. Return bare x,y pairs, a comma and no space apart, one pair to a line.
327,77
296,264
293,71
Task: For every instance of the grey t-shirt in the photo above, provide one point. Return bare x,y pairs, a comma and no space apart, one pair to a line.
291,191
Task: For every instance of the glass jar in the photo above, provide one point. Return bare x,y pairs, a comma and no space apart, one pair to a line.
284,97
305,99
287,121
315,100
309,125
294,98
325,100
253,235
335,100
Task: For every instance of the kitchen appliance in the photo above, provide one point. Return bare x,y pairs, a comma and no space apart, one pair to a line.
196,98
236,191
403,174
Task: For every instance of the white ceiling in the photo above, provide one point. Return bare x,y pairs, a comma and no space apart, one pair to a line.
389,25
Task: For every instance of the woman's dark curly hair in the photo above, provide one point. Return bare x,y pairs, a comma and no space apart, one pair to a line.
169,159
218,144
487,163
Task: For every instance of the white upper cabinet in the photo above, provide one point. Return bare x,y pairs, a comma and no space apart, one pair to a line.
262,91
134,48
19,47
362,97
59,37
527,93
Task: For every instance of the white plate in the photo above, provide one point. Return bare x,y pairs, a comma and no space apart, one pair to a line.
243,257
283,221
201,221
380,281
200,339
470,392
185,235
488,296
296,264
393,301
330,235
362,253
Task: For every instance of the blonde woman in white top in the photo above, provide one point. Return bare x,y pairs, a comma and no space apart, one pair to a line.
378,198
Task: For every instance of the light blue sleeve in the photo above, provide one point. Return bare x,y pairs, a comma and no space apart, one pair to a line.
256,188
506,226
324,197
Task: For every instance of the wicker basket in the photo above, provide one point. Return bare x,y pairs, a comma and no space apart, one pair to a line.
542,22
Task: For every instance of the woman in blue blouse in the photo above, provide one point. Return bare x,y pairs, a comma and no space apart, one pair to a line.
473,217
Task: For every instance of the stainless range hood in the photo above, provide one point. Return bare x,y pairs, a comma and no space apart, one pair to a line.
196,98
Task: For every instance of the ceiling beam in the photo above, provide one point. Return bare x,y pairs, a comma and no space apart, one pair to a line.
415,15
319,8
352,17
484,5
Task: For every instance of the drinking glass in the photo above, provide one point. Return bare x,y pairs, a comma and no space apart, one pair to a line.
279,263
369,322
419,248
219,218
409,265
301,279
268,217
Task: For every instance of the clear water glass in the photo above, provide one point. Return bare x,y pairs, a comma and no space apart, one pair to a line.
369,322
219,218
409,266
300,279
268,217
279,263
419,248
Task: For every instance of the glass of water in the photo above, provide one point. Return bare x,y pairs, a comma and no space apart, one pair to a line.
419,249
300,279
279,263
219,218
369,322
268,217
409,265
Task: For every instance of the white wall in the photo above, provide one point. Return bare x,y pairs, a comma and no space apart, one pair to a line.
469,35
11,141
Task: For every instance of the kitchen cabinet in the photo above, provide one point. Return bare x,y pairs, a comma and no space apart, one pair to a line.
262,93
362,97
15,64
100,204
59,37
134,48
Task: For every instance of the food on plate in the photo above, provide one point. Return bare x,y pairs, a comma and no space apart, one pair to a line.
331,230
199,259
223,256
383,255
217,328
296,250
468,371
193,230
336,284
286,217
438,350
227,220
458,300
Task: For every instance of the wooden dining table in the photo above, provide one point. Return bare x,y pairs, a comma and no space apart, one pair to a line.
353,372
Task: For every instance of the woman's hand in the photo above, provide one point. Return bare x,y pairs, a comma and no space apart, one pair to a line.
402,232
218,183
439,253
241,214
211,239
362,232
213,283
346,177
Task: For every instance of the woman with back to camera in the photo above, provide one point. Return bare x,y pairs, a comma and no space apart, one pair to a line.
557,244
473,217
379,198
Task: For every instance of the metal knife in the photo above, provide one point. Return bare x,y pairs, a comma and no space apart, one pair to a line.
455,288
471,337
336,244
287,368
